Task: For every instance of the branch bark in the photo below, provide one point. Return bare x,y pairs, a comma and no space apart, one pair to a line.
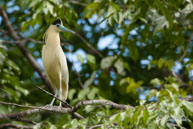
100,102
22,48
33,110
186,51
14,126
60,110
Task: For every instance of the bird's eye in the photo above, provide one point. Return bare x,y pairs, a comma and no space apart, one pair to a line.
57,25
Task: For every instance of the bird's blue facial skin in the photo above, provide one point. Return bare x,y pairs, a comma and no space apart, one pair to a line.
62,28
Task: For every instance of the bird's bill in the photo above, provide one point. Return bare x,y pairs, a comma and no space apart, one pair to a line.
62,28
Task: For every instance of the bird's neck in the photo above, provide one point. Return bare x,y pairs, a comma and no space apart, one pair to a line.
52,37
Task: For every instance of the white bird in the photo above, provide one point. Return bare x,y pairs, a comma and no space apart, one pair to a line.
54,60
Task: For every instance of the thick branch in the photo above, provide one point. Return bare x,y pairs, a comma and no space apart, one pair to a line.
23,49
100,102
13,126
60,110
33,110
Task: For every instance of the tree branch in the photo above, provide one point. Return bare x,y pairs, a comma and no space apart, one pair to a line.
179,79
60,110
23,49
33,110
186,51
24,120
13,126
102,102
88,44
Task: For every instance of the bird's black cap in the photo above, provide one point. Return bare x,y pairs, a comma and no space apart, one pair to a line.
57,21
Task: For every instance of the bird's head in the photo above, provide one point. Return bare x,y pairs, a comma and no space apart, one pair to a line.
59,26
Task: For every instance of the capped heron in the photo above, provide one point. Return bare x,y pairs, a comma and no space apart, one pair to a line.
54,60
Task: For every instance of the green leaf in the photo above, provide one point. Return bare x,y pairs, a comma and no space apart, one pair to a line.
107,61
2,57
164,120
155,81
119,67
83,93
92,93
115,118
37,126
3,109
91,60
188,105
71,94
91,9
13,93
145,115
89,108
22,90
113,8
50,7
25,25
80,58
178,119
90,80
133,51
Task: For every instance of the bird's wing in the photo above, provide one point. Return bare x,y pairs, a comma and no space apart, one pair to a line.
65,74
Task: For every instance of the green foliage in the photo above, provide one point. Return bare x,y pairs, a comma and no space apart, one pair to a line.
141,66
164,114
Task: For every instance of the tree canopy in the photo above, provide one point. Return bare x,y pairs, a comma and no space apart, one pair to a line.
130,64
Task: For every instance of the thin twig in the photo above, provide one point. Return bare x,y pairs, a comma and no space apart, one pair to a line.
65,103
88,44
186,51
10,42
179,79
180,59
79,80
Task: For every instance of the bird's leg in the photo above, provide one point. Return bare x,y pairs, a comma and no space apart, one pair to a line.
52,102
60,90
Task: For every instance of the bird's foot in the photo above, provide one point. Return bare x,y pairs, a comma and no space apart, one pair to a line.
52,102
60,105
48,105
